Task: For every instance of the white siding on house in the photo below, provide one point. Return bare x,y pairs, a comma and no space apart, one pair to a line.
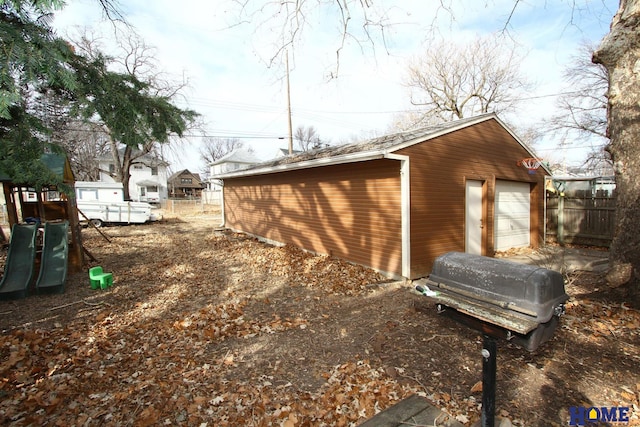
142,177
236,160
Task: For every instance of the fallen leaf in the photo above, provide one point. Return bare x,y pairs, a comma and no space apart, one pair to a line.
629,397
291,421
477,387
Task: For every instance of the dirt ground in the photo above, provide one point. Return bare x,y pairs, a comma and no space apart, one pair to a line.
210,328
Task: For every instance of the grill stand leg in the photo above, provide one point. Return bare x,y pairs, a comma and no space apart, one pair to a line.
489,350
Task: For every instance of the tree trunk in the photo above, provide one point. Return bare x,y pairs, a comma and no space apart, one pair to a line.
125,175
619,52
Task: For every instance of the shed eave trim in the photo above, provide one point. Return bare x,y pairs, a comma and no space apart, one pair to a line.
328,161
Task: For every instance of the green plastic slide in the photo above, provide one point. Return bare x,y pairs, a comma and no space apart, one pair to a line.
19,266
55,250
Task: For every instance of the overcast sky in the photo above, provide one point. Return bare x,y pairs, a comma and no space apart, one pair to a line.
241,93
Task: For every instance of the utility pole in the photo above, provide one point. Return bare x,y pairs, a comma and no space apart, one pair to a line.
289,108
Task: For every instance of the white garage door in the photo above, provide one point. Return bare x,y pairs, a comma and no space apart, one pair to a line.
512,215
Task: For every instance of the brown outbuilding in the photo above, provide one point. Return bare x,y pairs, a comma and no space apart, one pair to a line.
397,202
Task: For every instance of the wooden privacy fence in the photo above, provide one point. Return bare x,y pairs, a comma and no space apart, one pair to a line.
580,220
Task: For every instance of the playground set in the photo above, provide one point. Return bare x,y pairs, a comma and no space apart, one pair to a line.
45,238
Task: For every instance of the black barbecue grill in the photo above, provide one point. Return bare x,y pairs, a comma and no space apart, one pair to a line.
502,299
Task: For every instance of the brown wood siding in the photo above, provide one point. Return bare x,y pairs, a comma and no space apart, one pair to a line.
351,211
439,170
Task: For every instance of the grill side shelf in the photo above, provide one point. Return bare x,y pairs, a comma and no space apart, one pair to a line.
491,313
501,304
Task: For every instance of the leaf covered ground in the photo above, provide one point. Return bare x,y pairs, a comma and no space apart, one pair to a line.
213,328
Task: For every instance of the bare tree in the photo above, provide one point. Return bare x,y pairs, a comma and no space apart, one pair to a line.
582,109
140,59
215,148
452,81
133,57
583,105
411,119
360,22
308,138
84,142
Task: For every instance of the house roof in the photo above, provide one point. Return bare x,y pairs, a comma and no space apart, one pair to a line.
367,150
239,155
184,172
285,152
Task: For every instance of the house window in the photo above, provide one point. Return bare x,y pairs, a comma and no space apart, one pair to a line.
112,168
186,181
152,189
138,167
154,170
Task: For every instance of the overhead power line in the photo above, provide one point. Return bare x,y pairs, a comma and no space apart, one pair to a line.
227,134
233,136
232,105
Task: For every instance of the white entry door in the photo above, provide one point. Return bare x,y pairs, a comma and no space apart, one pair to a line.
473,218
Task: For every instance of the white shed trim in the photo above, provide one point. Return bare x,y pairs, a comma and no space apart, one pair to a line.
405,210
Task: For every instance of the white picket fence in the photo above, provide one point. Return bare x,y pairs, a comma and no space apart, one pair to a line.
210,197
210,202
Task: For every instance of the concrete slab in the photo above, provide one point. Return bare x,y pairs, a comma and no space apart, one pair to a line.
565,260
412,411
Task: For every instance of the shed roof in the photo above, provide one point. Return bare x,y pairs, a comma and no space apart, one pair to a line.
367,150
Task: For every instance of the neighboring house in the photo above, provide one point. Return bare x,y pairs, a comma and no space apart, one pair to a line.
397,202
185,184
148,182
282,152
238,159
